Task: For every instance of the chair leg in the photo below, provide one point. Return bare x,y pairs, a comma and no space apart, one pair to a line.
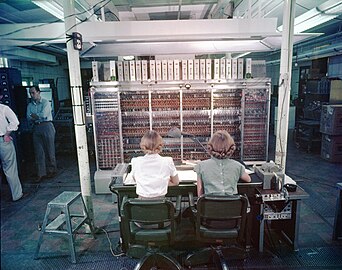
219,261
202,256
158,260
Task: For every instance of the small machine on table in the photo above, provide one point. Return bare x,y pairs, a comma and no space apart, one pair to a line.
280,202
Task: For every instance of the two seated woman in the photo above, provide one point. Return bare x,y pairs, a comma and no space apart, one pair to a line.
153,173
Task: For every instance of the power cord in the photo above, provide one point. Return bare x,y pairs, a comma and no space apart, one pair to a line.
116,253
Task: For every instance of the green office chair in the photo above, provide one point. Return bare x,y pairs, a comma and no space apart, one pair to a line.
150,225
220,220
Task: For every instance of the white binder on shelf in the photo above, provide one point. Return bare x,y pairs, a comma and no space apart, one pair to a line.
208,69
176,69
190,69
138,70
158,70
196,69
152,70
228,68
202,69
126,71
132,70
184,70
234,69
222,68
144,74
120,71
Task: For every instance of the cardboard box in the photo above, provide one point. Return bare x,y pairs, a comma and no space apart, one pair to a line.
331,149
331,119
335,92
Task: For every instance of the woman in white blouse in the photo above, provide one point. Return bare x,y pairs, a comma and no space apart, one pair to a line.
152,172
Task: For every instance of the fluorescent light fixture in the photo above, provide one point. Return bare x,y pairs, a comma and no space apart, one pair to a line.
56,9
52,7
316,16
128,57
241,55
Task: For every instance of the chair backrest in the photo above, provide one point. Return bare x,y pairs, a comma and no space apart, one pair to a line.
221,218
149,222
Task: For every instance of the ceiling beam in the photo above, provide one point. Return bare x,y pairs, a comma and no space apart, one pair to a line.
145,30
28,55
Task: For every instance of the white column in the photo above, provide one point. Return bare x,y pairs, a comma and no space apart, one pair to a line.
285,83
78,108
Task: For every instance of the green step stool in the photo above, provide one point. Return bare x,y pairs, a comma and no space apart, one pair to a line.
71,221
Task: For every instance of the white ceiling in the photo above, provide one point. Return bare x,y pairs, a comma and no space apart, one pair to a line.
25,25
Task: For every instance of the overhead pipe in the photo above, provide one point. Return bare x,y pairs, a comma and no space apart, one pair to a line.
179,9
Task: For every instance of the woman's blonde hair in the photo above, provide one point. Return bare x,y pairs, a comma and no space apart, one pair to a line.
221,145
151,142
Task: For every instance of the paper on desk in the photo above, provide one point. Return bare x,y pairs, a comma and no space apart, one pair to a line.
128,179
187,176
248,171
289,180
184,176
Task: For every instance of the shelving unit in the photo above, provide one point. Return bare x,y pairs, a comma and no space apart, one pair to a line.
65,133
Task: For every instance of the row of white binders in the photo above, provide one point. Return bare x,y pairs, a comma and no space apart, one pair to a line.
192,69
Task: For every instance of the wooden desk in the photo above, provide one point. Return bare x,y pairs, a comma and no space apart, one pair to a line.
183,189
288,227
255,220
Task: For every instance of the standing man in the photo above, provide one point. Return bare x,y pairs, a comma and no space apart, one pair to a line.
39,113
8,123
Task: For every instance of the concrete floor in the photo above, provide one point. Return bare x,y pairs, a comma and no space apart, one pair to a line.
20,222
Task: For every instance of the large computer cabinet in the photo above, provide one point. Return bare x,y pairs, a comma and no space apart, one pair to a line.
124,111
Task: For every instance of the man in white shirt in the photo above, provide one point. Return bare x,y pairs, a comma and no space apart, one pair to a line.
9,123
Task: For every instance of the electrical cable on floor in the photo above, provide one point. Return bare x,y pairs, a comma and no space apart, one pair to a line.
111,246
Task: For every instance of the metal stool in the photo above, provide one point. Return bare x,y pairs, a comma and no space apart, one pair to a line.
72,221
